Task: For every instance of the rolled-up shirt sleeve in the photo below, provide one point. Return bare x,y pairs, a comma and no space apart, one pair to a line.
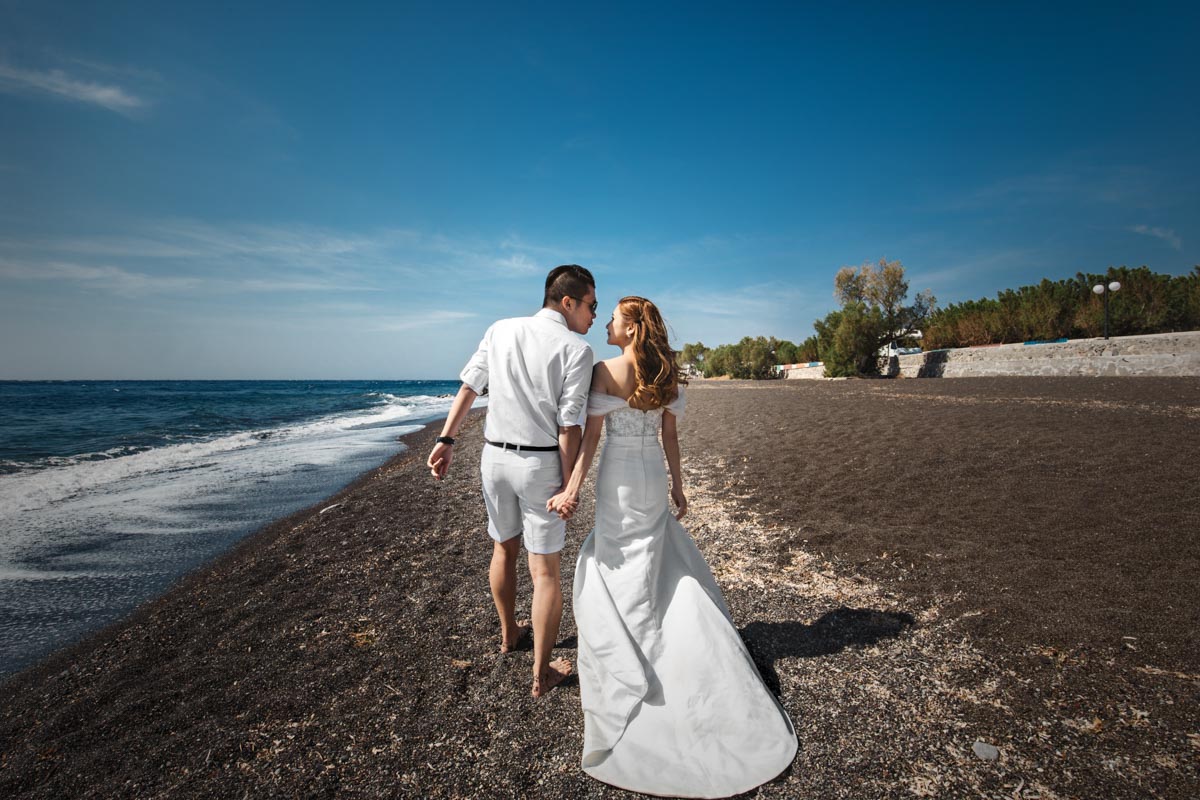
475,373
577,379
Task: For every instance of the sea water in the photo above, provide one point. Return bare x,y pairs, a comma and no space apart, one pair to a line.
110,490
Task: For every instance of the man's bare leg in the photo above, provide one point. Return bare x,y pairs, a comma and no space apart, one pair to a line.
547,614
503,577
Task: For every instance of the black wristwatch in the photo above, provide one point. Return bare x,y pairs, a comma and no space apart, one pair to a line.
445,440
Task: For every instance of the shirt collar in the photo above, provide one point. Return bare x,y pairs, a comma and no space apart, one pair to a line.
550,313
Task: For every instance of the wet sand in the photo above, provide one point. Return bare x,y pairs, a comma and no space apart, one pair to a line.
916,566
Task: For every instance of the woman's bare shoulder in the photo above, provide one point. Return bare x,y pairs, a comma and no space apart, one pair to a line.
618,376
602,379
616,364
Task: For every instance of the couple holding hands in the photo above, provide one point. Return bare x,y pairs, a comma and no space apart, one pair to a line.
673,704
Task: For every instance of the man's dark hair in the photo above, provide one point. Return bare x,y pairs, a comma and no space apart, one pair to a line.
569,280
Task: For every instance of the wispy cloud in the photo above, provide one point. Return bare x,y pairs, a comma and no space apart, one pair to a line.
59,83
519,263
968,268
258,256
725,316
107,278
137,74
748,302
1082,184
132,283
394,280
424,319
545,253
413,266
1027,188
1166,234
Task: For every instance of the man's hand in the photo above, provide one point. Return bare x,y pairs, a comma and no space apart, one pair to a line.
564,504
439,460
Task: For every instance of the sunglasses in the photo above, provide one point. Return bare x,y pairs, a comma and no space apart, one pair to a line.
593,305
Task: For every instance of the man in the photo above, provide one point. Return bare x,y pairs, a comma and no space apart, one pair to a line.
537,371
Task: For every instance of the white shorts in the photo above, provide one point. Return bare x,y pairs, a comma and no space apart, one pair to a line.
516,486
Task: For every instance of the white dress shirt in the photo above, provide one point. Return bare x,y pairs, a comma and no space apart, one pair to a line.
537,373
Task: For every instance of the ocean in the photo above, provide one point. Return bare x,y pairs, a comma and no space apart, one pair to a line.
111,490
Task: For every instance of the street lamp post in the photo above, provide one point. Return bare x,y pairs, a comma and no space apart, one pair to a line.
1105,291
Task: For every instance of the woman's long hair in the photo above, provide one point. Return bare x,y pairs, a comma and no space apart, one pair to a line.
654,369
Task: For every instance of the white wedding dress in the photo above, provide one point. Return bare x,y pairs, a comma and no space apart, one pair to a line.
672,702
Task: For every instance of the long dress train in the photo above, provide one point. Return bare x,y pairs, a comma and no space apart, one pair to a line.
673,704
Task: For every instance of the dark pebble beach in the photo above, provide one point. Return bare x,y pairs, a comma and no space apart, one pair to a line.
957,588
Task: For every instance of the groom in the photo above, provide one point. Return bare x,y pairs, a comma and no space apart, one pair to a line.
537,371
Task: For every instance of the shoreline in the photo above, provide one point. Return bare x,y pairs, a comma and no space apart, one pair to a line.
353,653
245,545
94,528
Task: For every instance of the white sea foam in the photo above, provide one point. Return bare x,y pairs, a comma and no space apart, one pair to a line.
250,452
83,542
7,465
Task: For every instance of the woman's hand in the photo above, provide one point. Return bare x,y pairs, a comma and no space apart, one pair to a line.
564,503
680,500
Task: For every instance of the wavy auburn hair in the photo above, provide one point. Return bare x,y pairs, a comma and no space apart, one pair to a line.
656,374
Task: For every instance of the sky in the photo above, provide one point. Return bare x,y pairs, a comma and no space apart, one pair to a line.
357,190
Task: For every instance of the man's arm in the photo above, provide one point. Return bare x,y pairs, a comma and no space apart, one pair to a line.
568,448
572,402
443,454
474,379
566,501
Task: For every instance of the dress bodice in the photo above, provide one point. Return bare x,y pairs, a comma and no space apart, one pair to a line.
630,421
626,421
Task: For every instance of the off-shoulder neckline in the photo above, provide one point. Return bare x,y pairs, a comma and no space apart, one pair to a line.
628,405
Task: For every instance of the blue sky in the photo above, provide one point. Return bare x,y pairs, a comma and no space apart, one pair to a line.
291,190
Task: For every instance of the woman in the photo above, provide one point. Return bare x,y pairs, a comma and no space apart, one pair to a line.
672,702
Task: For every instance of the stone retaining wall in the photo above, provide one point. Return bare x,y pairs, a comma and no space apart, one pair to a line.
1154,354
814,370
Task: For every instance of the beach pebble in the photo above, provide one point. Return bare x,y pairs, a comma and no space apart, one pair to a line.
986,751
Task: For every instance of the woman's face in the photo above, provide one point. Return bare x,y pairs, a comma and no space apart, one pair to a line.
617,328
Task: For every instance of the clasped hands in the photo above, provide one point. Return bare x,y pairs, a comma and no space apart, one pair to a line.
564,503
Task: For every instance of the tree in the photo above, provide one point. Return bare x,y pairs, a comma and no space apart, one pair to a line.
873,314
754,358
1147,303
786,352
719,361
808,351
693,354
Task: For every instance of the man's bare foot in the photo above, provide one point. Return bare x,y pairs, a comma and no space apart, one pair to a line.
524,632
556,672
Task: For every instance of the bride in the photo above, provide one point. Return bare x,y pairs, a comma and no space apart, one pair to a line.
672,702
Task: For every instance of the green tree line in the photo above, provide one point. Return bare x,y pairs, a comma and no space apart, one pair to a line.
1147,302
875,313
752,357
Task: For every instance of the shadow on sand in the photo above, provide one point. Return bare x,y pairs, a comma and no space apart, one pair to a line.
834,631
